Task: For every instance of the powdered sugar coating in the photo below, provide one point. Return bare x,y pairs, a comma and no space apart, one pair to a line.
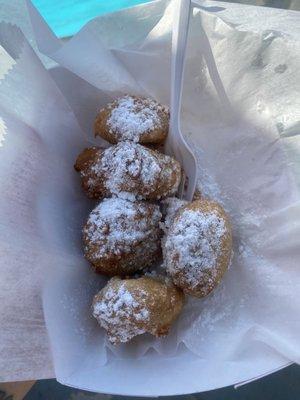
131,118
169,207
130,307
196,238
118,312
128,163
131,171
194,246
121,236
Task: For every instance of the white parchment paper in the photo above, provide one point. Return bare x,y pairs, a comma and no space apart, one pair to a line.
241,112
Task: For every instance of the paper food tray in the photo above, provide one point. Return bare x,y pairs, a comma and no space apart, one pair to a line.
240,112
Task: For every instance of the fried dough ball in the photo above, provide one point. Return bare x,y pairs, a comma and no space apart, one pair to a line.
86,158
135,119
122,237
198,247
129,170
131,307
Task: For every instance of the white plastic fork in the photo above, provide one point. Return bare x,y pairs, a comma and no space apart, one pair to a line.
176,144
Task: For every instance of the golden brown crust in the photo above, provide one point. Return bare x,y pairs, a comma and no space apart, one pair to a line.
127,308
197,195
112,125
125,265
86,158
198,247
92,184
122,237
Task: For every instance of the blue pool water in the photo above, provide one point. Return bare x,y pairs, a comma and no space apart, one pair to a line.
66,17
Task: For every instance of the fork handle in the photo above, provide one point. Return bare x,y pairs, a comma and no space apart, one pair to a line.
179,41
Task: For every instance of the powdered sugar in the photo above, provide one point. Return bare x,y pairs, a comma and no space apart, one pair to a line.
131,117
116,225
130,171
170,206
120,313
128,163
194,241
